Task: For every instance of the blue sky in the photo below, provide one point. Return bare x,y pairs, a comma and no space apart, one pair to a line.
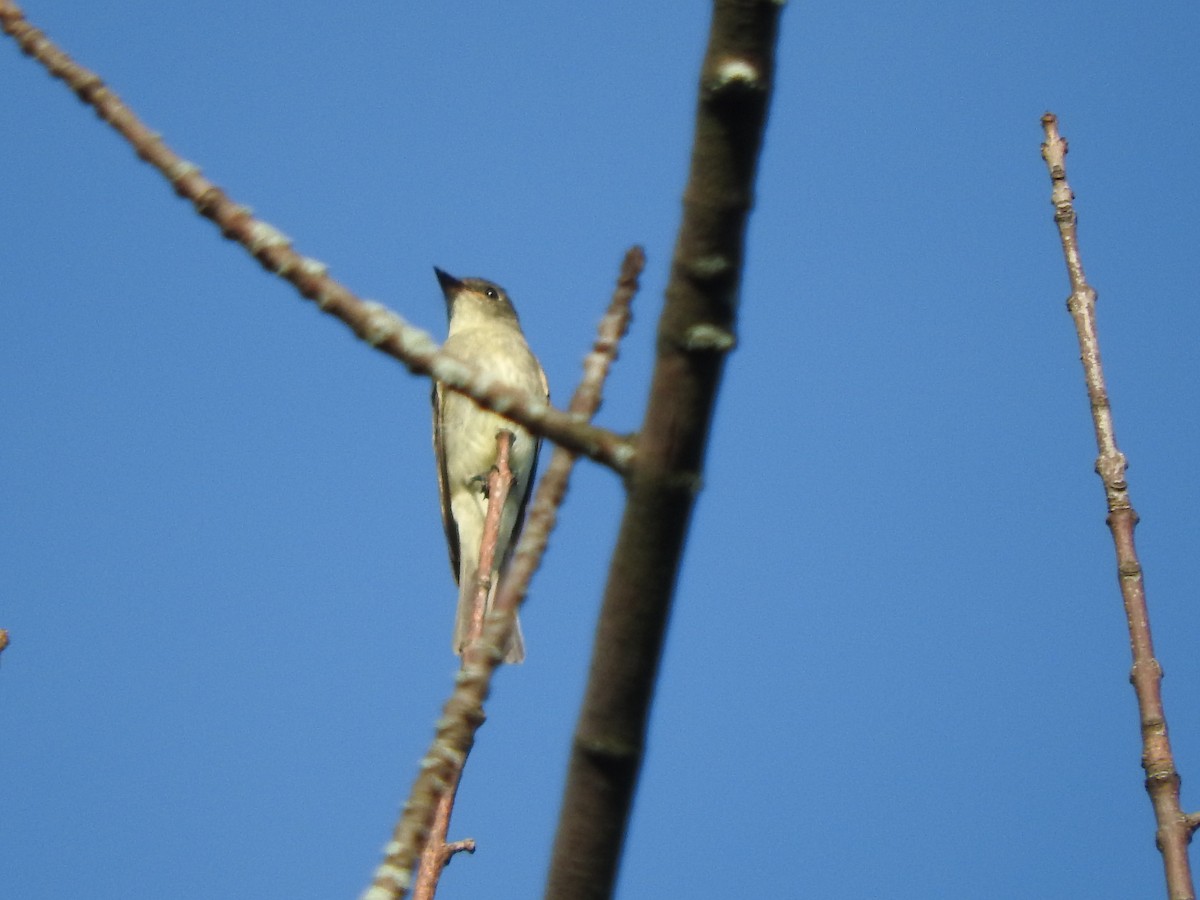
898,661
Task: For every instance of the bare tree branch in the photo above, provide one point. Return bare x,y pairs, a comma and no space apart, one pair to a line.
371,321
552,490
463,713
1162,779
437,852
695,333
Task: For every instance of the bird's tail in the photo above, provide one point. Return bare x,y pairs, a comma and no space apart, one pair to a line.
515,651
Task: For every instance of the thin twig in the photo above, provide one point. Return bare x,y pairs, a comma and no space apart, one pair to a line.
437,852
463,712
552,490
500,481
374,323
1162,778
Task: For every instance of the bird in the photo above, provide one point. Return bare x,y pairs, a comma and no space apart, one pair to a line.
483,330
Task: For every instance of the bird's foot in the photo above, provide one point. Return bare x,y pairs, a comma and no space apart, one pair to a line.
480,482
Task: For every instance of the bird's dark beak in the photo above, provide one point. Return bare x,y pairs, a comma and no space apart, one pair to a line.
450,284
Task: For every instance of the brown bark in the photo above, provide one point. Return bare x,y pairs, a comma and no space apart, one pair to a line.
695,333
1162,779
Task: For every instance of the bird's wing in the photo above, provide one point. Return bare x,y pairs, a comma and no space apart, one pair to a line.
439,455
527,488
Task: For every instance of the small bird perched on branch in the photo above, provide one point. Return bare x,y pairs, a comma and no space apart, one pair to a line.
483,330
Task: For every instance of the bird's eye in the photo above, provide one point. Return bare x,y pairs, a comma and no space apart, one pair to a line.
491,294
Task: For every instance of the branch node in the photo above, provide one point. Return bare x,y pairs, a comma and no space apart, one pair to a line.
180,169
1111,469
704,337
1192,822
624,454
314,268
735,71
380,324
466,845
263,235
